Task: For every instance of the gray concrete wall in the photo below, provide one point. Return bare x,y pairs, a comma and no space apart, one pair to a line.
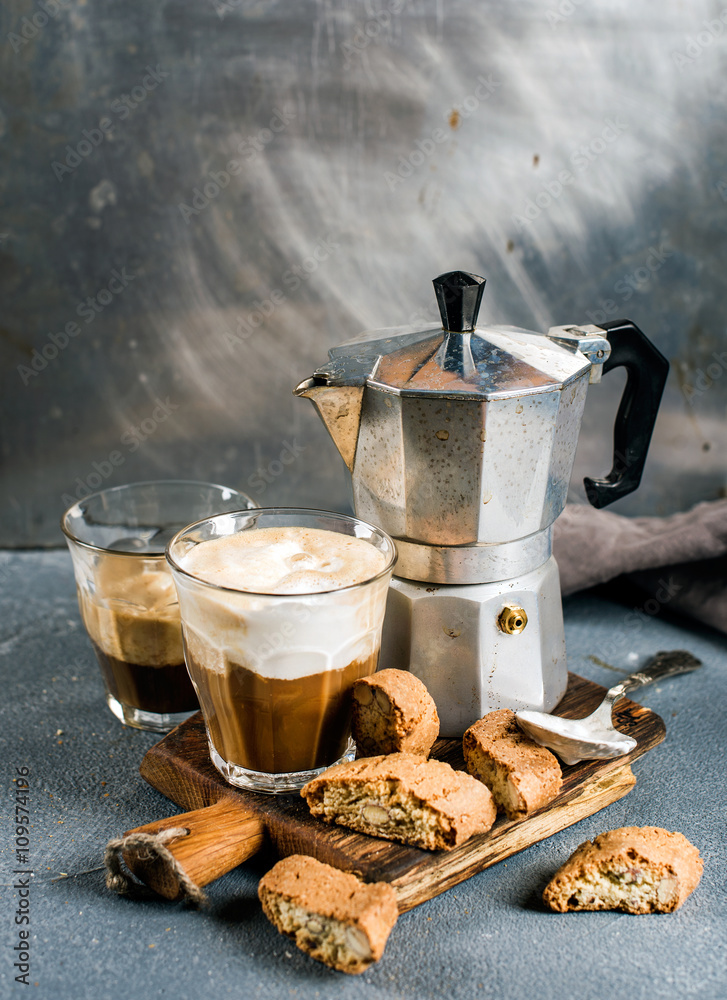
573,153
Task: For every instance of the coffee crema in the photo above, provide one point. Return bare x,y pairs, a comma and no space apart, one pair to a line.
286,560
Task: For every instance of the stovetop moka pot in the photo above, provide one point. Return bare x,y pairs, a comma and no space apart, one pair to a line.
461,442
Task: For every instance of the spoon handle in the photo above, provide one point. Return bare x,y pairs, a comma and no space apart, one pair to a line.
663,665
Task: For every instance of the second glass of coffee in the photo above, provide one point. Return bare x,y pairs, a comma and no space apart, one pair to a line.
281,612
127,597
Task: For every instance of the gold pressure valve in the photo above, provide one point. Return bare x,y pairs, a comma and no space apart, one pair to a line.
512,619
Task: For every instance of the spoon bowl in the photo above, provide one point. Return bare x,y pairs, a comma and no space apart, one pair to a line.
595,737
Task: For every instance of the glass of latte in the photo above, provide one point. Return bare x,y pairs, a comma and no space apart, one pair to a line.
126,593
281,611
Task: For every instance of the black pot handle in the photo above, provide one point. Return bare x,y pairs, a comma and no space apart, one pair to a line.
647,371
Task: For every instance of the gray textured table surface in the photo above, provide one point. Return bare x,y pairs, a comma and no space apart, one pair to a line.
489,937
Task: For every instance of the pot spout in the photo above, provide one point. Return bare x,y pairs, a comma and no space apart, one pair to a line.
339,407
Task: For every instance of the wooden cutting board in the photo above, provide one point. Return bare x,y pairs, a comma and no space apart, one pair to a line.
228,825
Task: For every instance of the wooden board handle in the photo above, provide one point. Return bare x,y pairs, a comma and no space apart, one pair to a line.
183,853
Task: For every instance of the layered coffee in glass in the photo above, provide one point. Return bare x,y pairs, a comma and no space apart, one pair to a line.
281,612
126,593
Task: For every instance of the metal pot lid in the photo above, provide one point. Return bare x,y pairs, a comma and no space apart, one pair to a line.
460,359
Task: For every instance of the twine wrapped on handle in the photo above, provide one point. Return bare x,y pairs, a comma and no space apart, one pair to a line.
176,856
150,852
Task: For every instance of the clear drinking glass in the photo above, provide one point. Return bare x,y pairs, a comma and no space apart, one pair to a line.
126,593
273,672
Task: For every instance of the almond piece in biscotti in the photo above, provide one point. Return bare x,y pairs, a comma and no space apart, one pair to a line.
635,869
521,775
329,914
402,796
392,712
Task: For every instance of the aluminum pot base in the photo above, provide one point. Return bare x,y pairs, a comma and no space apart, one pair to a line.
452,638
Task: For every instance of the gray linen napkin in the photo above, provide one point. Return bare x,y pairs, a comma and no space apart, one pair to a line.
681,559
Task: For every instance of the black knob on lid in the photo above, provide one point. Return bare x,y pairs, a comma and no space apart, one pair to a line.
459,295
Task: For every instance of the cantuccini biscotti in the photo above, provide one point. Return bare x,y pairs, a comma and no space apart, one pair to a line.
393,712
329,914
521,775
402,796
636,869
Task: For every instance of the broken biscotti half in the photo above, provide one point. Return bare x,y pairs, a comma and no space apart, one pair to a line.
392,711
402,796
329,914
636,869
521,775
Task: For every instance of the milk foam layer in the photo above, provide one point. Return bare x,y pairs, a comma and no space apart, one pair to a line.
294,631
131,612
284,560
